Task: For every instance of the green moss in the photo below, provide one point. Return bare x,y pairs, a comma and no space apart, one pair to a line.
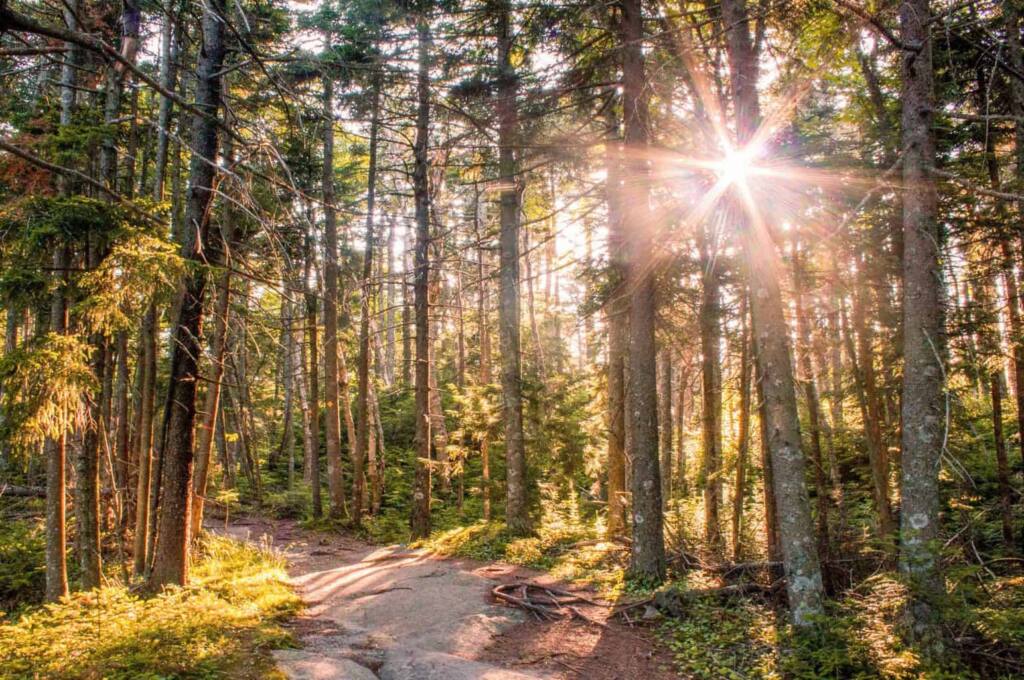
221,626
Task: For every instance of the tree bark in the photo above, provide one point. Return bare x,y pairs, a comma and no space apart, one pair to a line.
335,485
211,407
924,407
665,432
618,330
55,451
810,385
647,561
420,517
711,381
516,510
796,534
363,369
170,563
743,437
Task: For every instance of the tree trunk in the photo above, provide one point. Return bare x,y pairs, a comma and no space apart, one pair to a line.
878,456
363,387
485,364
311,425
810,384
144,440
212,406
665,419
618,330
796,533
924,405
55,451
332,377
647,561
516,510
420,518
711,381
170,563
743,438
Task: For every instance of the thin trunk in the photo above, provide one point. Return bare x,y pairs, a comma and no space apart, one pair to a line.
211,406
618,331
711,382
878,456
55,451
743,437
332,377
144,440
311,425
810,384
665,418
485,368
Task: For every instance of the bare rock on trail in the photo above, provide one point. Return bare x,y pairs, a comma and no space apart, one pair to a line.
299,664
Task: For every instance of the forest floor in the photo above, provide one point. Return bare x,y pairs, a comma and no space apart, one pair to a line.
392,613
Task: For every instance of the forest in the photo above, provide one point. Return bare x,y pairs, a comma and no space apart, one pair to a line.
689,328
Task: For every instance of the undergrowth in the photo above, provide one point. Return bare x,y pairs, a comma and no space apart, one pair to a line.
220,626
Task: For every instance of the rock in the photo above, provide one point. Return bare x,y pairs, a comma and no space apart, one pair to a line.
299,664
417,664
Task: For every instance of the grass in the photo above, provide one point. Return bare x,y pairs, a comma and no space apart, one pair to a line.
221,626
858,639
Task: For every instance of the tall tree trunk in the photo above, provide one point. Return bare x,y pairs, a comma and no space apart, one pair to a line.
743,437
796,533
311,425
647,560
332,377
665,419
871,408
87,463
55,451
211,407
363,369
168,76
810,384
170,563
516,510
923,329
363,389
1015,57
618,330
144,440
420,518
680,426
711,381
483,328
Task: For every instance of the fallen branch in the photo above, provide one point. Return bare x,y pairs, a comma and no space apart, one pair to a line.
22,491
548,603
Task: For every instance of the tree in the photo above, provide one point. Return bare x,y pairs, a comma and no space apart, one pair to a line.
647,561
170,560
924,349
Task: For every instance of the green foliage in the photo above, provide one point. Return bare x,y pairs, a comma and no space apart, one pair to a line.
22,571
44,385
288,504
140,268
220,626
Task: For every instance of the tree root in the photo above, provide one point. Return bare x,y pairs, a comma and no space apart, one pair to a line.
547,603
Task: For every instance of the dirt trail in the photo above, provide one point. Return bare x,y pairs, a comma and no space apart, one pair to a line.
389,613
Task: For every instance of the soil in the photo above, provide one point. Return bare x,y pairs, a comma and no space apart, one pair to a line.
392,613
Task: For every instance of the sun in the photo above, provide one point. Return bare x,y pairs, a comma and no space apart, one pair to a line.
736,165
